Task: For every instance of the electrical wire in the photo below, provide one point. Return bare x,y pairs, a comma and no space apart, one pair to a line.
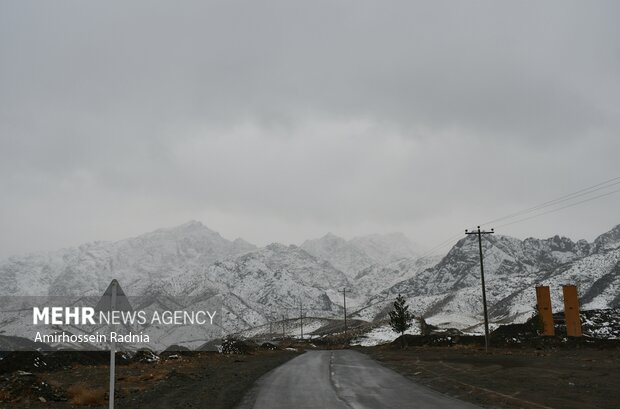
582,192
568,197
561,208
444,243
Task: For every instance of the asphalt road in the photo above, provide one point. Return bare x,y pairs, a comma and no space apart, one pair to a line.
341,379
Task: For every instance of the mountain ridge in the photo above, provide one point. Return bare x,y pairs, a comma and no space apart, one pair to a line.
262,284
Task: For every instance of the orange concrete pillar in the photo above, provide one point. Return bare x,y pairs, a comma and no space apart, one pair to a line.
543,301
571,311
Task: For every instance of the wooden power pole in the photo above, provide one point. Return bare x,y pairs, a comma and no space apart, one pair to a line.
484,293
344,296
301,317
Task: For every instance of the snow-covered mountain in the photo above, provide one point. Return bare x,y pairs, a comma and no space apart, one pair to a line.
340,253
449,293
272,281
360,253
258,285
379,276
137,262
386,248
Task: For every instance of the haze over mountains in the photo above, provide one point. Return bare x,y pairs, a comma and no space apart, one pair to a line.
262,284
359,253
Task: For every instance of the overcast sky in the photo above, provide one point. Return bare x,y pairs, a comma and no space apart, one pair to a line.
283,120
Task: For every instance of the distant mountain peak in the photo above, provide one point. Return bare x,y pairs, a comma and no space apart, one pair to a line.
386,248
609,240
359,253
331,237
241,241
279,246
192,225
192,259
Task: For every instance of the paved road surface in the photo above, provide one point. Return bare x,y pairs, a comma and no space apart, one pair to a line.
341,379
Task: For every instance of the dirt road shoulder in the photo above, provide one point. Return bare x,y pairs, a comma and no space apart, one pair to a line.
513,378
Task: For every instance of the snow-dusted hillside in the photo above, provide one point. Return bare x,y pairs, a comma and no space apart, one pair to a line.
257,286
386,248
355,255
378,276
272,281
137,262
340,253
450,291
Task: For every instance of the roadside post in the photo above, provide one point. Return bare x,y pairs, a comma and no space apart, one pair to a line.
545,314
571,311
112,348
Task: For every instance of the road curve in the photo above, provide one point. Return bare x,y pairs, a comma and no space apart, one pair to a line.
342,379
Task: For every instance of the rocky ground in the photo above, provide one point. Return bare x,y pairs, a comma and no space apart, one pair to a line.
563,375
520,370
184,379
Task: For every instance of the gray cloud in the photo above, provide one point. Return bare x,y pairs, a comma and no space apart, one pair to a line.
282,120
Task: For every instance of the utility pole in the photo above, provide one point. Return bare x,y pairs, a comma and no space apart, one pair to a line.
273,319
283,334
344,295
484,293
301,317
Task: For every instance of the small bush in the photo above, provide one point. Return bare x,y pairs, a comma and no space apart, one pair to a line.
268,346
537,320
234,346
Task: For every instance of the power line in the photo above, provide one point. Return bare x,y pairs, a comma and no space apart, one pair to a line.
439,249
444,243
569,197
579,193
561,208
582,192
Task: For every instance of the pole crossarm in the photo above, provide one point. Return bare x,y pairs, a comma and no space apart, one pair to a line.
479,233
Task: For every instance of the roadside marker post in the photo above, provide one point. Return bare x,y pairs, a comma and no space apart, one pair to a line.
112,348
543,301
571,311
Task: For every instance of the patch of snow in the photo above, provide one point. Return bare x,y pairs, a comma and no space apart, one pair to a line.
383,335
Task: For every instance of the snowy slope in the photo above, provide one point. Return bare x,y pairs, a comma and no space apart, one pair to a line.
340,253
451,289
137,262
271,281
360,253
261,285
378,277
386,248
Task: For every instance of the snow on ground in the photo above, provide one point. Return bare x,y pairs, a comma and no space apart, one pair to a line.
479,329
458,321
602,323
310,325
383,335
292,328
